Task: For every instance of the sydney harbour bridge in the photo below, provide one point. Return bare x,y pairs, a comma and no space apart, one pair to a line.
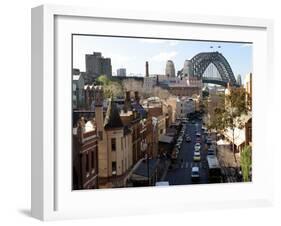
211,67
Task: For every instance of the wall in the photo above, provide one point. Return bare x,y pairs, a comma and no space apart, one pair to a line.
15,111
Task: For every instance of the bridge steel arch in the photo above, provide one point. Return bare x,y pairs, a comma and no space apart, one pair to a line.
201,61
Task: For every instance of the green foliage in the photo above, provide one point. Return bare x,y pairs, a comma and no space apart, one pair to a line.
111,86
246,162
228,115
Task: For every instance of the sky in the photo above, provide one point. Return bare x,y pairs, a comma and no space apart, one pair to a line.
131,53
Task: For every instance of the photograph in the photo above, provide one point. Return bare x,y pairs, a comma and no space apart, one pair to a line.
152,112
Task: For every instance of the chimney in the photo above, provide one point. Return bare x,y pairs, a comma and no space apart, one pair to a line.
137,98
127,102
98,96
146,69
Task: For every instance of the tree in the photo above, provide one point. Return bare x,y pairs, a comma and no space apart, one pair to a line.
111,86
228,116
246,162
102,80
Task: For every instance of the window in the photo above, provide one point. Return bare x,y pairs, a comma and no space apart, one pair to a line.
113,144
113,168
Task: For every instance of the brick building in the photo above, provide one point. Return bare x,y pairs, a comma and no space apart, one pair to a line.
85,155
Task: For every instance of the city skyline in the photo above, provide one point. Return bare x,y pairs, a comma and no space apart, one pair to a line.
131,53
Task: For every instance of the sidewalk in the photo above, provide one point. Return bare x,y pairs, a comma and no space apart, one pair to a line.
227,162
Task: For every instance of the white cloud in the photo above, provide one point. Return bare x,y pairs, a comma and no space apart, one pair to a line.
164,56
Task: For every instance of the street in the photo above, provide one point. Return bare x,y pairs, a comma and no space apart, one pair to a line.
180,173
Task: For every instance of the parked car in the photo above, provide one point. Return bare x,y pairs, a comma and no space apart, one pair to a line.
195,174
209,141
211,152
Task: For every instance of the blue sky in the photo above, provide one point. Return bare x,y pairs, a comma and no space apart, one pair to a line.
131,53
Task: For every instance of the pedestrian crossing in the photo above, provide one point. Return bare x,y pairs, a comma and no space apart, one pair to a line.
186,165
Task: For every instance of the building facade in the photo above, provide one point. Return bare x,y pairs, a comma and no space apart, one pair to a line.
248,89
185,106
78,95
115,144
85,155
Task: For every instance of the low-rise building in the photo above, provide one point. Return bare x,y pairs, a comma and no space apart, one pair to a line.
115,144
185,106
85,155
78,95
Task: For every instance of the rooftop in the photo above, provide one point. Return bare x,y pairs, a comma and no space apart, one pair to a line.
112,118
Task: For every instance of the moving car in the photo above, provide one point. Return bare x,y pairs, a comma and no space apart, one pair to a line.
198,134
198,140
195,175
196,156
188,139
197,147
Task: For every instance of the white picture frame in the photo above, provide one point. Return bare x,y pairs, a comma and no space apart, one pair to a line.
52,197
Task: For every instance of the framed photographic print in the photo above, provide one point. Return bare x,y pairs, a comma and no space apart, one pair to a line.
136,112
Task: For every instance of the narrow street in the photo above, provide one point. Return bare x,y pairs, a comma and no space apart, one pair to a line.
180,173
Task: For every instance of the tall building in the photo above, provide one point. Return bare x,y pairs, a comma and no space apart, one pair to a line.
97,65
170,69
121,72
